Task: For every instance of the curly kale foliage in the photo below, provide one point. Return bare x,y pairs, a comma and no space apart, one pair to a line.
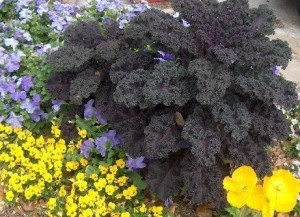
214,99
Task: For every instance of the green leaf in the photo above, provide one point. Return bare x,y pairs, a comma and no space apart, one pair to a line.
137,180
91,170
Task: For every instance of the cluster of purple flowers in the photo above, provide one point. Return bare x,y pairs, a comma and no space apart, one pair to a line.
101,144
10,61
16,90
61,16
125,12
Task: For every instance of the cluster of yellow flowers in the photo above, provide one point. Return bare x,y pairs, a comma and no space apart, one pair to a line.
38,167
277,193
29,165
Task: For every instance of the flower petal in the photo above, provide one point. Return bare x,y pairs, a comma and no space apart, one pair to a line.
236,199
245,175
230,185
257,198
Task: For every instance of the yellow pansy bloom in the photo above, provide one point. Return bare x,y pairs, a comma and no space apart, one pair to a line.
9,195
120,163
281,190
125,214
240,186
51,203
82,133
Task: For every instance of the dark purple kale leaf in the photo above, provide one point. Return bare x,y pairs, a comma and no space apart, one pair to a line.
85,34
130,61
212,81
83,86
270,122
235,117
230,32
168,84
58,85
70,58
250,152
201,132
203,183
129,89
162,30
164,177
162,136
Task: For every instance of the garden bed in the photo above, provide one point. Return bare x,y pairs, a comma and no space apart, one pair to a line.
123,110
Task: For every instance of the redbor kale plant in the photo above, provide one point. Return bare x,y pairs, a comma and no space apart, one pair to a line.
188,93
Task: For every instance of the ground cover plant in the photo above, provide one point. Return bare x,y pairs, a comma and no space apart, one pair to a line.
196,93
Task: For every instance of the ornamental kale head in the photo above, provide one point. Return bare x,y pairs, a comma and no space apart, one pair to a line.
186,92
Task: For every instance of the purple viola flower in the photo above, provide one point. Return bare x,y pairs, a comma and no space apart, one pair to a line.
107,21
29,106
14,120
36,99
1,118
9,87
41,50
100,145
11,42
90,112
26,82
56,104
13,62
37,115
40,2
100,7
134,164
20,95
85,148
165,56
275,70
122,23
113,137
25,14
41,9
169,201
12,66
185,23
22,4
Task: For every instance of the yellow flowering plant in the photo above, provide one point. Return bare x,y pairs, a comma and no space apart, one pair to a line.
278,192
48,168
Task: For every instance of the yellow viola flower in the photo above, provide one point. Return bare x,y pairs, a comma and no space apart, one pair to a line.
62,191
9,195
109,189
240,186
51,203
103,169
122,180
125,214
83,162
281,190
82,133
120,163
113,169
